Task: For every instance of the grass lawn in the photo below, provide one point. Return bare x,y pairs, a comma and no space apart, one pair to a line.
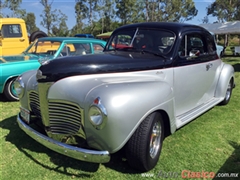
210,143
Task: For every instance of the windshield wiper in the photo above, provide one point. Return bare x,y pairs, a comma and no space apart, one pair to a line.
152,52
139,50
122,49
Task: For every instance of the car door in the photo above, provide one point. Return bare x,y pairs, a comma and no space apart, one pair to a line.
12,36
194,73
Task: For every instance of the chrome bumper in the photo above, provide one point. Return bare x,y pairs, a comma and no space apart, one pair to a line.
65,149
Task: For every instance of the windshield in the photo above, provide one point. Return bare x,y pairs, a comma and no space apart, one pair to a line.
157,41
56,49
43,47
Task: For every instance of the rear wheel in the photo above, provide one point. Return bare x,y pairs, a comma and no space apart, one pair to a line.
9,91
228,93
144,147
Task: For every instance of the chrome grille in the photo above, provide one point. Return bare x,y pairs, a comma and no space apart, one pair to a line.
34,104
64,117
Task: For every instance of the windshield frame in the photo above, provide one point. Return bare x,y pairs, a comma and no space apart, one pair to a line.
114,43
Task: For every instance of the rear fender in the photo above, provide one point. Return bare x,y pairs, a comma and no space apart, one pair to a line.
226,75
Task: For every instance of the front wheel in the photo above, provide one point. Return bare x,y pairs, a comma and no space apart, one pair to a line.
228,93
144,147
9,91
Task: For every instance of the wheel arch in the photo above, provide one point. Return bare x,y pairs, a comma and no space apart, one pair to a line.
6,81
8,91
227,74
166,121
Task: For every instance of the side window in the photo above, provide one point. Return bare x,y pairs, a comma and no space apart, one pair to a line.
11,31
122,41
82,48
192,45
211,46
65,50
97,48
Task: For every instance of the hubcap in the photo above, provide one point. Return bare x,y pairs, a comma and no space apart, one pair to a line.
155,139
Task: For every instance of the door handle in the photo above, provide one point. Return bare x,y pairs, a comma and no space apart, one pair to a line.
22,39
208,66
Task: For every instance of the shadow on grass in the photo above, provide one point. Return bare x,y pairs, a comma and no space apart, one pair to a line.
230,55
236,67
2,98
232,164
22,141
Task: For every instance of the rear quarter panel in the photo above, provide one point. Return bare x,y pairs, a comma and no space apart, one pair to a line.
227,72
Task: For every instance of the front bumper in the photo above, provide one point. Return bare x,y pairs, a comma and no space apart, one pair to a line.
65,149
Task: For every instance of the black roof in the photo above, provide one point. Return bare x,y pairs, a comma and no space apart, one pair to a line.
174,26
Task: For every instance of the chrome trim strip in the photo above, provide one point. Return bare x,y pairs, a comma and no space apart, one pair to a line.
42,93
71,151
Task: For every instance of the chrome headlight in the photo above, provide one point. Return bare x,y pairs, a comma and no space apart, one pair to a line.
97,114
19,86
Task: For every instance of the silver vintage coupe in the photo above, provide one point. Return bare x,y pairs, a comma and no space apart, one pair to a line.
151,79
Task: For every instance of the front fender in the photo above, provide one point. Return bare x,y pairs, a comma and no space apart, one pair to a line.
227,73
127,105
30,83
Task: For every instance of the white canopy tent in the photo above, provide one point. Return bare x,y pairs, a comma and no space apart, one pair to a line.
223,28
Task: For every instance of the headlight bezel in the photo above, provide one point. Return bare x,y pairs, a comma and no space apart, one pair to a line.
19,86
97,114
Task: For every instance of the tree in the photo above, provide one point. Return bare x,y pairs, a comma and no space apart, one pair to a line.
2,6
171,10
224,10
127,10
51,18
14,7
205,20
106,13
81,11
62,30
30,20
131,11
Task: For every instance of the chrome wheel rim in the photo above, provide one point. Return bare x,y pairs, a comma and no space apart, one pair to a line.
228,93
155,139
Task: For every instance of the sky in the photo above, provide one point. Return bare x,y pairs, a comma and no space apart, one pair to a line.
67,7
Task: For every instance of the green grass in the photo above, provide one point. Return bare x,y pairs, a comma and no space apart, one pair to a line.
210,143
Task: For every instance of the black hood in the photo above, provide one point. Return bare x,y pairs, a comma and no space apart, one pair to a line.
97,64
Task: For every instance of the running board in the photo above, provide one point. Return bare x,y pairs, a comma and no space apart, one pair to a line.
183,119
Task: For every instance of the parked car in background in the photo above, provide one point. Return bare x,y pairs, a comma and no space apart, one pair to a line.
14,37
220,49
151,79
41,50
84,35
